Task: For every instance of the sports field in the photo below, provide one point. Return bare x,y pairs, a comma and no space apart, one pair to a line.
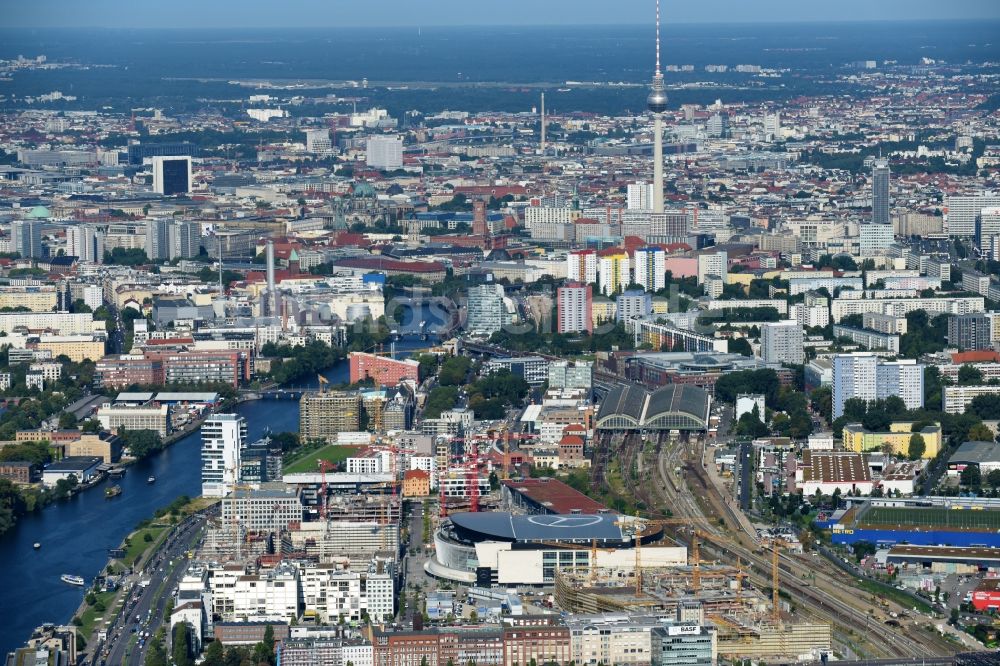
937,517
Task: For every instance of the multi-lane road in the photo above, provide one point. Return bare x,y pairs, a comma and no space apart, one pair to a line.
146,603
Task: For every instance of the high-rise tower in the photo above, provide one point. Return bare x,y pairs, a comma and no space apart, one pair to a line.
657,104
880,192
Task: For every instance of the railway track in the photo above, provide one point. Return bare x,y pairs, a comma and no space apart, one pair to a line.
849,621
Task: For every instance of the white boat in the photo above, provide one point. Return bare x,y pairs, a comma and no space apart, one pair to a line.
151,479
37,545
72,580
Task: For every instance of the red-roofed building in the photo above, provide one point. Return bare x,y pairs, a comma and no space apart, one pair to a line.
416,483
384,371
547,496
571,451
978,356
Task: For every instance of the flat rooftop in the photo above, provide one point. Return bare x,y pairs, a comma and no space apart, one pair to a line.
947,553
555,496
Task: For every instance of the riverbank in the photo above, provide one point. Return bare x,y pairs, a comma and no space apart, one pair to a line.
102,609
77,534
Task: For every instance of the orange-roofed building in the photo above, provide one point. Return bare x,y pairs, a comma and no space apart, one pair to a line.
977,356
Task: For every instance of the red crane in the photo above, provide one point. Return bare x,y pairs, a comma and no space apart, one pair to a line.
472,476
324,465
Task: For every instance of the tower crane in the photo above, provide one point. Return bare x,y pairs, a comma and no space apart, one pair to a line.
324,466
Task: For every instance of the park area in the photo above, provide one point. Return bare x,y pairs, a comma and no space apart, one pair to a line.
308,460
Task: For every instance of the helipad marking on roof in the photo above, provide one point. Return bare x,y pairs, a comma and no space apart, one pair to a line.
564,521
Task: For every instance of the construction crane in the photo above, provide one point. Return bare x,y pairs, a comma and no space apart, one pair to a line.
776,546
324,465
638,541
504,473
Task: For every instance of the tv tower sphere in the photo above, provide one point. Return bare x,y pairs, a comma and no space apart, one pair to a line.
657,100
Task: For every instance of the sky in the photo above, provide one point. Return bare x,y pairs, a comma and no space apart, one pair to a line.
338,13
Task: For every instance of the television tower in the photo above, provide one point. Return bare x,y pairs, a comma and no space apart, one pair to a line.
657,104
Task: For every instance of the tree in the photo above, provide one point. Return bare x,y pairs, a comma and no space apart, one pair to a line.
993,478
215,654
986,407
980,433
454,370
969,374
740,346
157,654
142,443
917,446
971,476
67,421
822,401
181,649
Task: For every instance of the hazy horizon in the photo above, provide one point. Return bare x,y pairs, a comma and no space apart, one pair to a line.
183,14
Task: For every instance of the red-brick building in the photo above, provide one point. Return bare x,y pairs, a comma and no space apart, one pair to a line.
125,370
384,371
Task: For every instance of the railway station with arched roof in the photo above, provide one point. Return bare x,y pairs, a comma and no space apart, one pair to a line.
630,407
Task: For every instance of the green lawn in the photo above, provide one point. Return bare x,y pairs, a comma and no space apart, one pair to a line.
968,519
92,617
308,462
138,544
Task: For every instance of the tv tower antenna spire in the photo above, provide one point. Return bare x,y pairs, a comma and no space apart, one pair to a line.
657,104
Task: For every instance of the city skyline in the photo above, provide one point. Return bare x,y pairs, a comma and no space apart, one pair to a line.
189,14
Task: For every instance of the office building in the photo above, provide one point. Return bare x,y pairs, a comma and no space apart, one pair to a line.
385,152
880,192
223,438
486,311
717,126
781,342
384,371
961,212
184,240
650,268
714,264
633,303
971,331
139,152
158,239
865,376
581,266
613,270
772,126
323,415
956,399
172,175
574,303
85,243
155,417
639,196
26,238
988,228
318,141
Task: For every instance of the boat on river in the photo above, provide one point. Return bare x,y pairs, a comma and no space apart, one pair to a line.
72,580
113,491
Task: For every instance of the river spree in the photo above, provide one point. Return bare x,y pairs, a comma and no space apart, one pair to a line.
76,535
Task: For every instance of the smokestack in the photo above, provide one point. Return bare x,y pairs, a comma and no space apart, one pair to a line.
543,123
272,296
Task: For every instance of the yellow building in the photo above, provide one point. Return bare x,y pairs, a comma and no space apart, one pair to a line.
859,440
105,446
602,310
613,270
36,299
76,347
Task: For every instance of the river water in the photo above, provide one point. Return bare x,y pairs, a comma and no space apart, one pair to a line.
76,534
